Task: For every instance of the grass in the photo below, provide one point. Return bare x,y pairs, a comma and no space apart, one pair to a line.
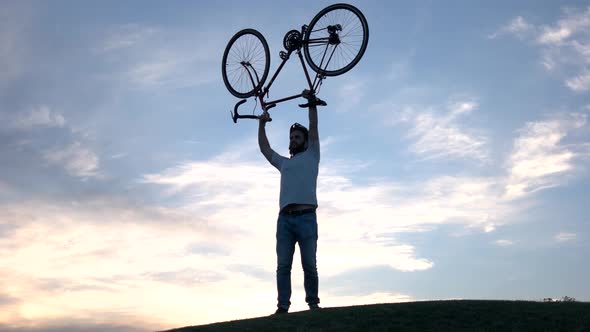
464,315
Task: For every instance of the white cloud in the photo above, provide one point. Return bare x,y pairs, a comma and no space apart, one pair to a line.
539,159
573,22
210,182
76,159
579,83
565,237
42,116
379,209
582,48
215,184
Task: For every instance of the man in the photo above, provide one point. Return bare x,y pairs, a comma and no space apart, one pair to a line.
297,222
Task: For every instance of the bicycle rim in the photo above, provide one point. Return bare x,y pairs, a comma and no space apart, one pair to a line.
245,63
331,59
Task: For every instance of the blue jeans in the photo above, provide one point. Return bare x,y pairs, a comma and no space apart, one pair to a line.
302,229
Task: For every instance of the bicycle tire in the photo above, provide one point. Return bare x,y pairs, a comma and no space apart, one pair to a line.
354,39
249,46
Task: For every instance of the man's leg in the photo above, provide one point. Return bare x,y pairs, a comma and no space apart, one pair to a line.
308,240
285,250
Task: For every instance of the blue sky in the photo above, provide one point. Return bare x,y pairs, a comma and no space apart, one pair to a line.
455,161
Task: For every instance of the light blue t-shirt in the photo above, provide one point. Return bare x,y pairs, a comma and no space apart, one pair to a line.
299,175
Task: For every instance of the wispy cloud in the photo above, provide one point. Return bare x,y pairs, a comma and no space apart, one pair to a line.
44,134
504,243
187,277
126,36
539,158
563,44
565,237
518,26
119,253
439,134
157,57
401,66
579,83
42,116
216,183
352,91
76,159
573,22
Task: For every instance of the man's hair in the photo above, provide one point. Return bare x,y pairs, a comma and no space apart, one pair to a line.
297,126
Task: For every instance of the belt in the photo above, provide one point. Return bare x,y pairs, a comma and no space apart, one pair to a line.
297,212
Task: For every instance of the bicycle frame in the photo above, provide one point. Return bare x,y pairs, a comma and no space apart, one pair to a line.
285,56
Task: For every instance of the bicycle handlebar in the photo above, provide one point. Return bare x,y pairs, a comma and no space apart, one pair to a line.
236,115
315,101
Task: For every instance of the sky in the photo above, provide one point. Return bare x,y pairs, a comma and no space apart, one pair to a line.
455,161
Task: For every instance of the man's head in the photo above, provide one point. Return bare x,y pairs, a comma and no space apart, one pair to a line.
297,139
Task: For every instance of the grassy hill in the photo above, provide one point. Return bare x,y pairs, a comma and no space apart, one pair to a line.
465,315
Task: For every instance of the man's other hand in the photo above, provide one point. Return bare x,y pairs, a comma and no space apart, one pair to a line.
307,94
264,117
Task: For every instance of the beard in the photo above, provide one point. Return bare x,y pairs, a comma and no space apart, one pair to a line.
296,148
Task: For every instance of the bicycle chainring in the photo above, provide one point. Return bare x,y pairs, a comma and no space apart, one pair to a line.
292,40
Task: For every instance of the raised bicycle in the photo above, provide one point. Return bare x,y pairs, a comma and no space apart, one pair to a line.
333,43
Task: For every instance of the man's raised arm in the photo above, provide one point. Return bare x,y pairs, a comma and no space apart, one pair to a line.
312,103
313,123
262,139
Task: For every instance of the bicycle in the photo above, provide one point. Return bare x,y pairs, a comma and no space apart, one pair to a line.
339,31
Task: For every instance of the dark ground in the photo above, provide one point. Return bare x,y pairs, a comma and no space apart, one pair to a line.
464,315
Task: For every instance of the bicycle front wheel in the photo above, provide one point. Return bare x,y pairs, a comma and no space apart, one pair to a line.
245,63
336,39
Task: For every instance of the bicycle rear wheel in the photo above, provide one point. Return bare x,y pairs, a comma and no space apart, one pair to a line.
245,63
336,39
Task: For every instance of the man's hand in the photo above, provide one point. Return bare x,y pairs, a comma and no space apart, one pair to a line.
264,117
307,94
312,100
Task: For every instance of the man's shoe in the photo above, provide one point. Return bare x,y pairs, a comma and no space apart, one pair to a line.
314,307
281,311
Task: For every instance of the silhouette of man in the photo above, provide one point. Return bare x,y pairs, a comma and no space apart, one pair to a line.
297,222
